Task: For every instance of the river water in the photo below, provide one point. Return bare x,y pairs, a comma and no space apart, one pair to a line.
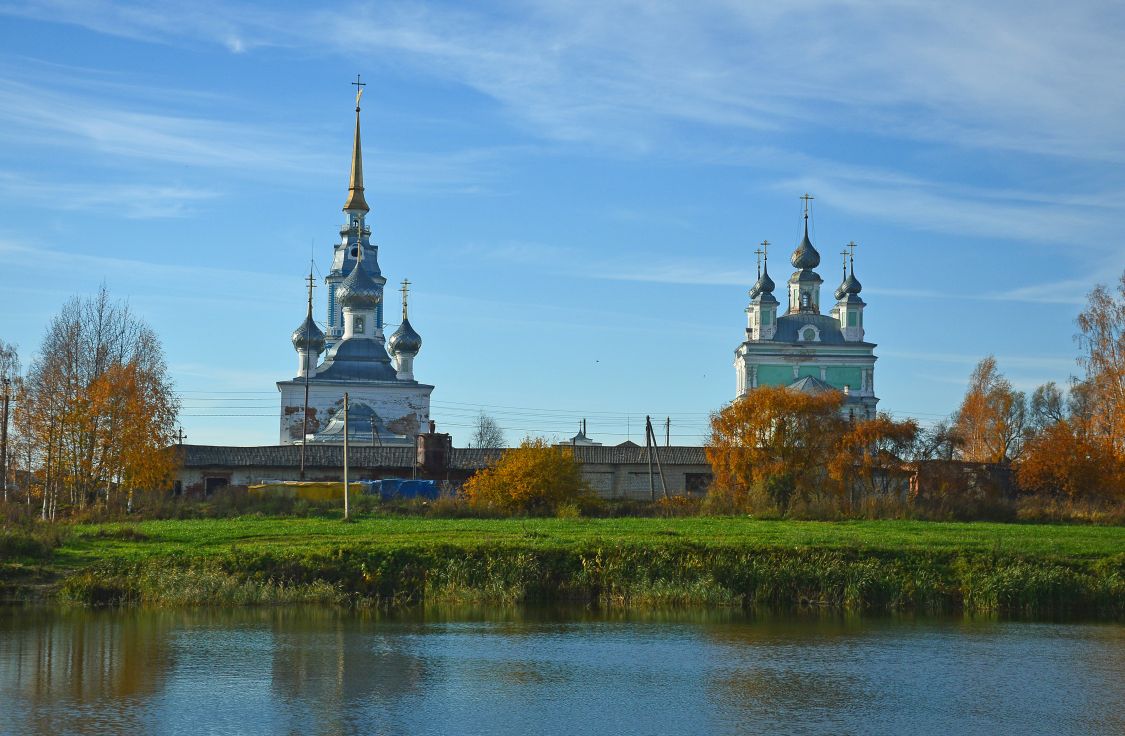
323,671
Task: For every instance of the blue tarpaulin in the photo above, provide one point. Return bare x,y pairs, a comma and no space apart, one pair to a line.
389,488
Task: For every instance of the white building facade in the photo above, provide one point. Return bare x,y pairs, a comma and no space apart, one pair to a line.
387,406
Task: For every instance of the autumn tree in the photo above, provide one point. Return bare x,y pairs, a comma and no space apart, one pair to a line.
939,442
774,445
534,478
870,456
9,387
1064,463
992,417
1101,341
487,432
100,406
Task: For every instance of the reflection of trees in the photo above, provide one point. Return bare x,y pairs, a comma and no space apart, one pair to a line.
334,666
54,663
786,671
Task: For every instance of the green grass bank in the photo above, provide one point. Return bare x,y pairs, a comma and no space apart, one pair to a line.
1006,569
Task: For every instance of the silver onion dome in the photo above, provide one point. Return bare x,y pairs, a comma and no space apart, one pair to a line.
805,256
841,290
765,284
405,339
359,290
308,335
851,285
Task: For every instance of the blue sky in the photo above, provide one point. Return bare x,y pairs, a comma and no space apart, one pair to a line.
575,189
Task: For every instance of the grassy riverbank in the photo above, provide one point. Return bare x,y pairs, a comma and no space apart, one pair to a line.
877,565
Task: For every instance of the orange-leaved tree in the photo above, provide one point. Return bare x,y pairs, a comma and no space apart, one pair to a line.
992,416
1066,463
870,456
534,478
773,445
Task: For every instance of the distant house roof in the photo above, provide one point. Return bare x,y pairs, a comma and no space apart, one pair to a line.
471,458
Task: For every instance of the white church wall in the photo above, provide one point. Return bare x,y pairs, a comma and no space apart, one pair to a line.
404,409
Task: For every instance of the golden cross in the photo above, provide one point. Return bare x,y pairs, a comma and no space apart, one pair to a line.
759,252
404,289
844,253
852,245
765,251
807,198
358,91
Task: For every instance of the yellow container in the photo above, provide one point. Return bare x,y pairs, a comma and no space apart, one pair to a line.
308,490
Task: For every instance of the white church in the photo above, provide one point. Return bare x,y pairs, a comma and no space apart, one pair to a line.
387,406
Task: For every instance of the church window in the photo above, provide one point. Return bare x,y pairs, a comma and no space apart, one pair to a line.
357,324
766,317
852,317
804,300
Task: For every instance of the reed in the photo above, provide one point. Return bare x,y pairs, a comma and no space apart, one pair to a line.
657,573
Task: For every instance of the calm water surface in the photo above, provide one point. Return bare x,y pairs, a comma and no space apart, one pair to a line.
301,671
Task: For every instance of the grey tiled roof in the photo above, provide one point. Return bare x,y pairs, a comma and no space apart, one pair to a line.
789,327
331,456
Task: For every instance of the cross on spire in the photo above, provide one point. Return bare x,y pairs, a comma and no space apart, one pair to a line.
844,253
852,245
358,91
765,251
759,252
807,198
405,289
312,285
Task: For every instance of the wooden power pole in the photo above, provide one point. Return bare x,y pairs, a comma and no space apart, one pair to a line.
346,456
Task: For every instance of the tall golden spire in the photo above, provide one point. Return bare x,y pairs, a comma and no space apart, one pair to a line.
356,202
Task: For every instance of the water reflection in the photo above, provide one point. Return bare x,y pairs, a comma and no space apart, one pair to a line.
325,671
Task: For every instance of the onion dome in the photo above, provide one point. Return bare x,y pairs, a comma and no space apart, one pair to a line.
359,290
764,285
851,285
405,339
308,336
806,256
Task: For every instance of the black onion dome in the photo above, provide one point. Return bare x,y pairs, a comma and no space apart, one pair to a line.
841,290
308,335
851,285
359,290
764,285
806,256
405,339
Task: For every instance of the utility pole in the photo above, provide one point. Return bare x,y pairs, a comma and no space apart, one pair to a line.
345,456
668,432
648,448
180,436
650,443
308,344
4,439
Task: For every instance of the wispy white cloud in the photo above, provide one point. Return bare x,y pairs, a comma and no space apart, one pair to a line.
1034,77
1054,363
120,124
702,271
132,201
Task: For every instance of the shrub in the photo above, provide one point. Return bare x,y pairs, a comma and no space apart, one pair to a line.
534,478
